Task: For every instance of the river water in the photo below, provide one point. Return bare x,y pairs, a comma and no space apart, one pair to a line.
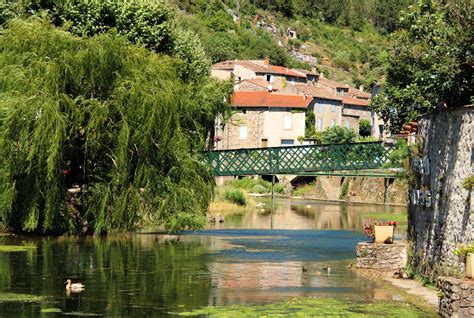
256,258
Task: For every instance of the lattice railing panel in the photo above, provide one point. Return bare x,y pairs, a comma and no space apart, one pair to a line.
298,159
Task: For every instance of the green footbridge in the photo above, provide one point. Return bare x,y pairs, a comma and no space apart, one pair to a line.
352,159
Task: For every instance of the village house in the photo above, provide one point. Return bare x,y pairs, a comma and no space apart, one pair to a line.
269,99
264,119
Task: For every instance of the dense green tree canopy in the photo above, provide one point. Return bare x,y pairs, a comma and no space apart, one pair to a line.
431,64
149,23
113,119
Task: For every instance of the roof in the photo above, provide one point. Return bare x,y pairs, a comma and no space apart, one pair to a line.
330,83
306,72
354,101
319,92
259,82
266,99
358,93
257,67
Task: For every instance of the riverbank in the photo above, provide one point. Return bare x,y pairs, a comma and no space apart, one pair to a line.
413,291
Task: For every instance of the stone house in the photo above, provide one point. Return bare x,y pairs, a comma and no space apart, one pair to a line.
333,103
264,119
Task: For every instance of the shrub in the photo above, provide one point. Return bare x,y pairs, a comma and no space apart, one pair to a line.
259,189
235,196
365,129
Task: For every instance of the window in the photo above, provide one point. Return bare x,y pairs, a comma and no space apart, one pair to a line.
320,124
333,123
243,132
320,107
287,122
287,142
348,124
269,78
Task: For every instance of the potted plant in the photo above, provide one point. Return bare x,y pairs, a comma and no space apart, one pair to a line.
378,231
466,251
369,228
384,232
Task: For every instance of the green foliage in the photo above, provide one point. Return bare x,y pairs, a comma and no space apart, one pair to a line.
431,62
338,135
468,183
113,118
463,249
258,188
399,154
345,189
235,196
365,129
150,24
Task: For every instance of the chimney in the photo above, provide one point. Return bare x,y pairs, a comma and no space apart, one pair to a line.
266,61
305,97
313,69
361,87
321,75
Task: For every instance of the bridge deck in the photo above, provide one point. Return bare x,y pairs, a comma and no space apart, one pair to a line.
299,159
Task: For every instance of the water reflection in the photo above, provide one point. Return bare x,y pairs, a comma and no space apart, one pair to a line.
300,214
153,274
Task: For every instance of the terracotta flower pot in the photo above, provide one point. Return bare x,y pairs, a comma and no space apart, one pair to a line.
384,234
470,265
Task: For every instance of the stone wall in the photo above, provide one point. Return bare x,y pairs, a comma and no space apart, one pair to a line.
456,298
386,257
440,214
253,120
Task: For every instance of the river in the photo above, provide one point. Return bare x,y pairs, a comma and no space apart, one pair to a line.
257,258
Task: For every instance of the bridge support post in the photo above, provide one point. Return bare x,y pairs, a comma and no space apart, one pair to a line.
273,199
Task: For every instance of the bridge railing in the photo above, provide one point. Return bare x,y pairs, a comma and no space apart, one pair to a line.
298,159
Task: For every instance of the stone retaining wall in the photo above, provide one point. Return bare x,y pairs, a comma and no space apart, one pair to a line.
381,256
440,214
456,298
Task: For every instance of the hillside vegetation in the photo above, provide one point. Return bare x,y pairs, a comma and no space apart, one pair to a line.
349,38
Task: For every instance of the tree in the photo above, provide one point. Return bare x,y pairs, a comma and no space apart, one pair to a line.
365,129
338,135
112,119
431,62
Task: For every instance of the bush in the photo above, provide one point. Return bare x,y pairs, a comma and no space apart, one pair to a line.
259,189
235,196
365,129
338,135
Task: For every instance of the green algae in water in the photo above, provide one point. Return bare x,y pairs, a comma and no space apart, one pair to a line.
12,297
326,307
16,248
51,310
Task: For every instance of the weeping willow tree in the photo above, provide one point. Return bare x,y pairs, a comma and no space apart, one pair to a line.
108,118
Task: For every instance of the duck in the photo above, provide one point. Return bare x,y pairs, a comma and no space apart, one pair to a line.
304,269
349,266
74,287
328,269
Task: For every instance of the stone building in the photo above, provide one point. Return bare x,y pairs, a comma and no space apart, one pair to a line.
264,119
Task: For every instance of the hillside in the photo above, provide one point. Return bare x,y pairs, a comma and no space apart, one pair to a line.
347,39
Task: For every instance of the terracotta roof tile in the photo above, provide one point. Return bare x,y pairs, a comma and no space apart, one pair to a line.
319,92
257,67
330,83
355,101
359,94
266,99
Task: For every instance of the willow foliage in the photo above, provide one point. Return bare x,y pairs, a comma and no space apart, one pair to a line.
110,117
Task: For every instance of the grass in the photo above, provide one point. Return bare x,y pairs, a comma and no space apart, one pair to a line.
16,248
313,307
51,310
304,189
